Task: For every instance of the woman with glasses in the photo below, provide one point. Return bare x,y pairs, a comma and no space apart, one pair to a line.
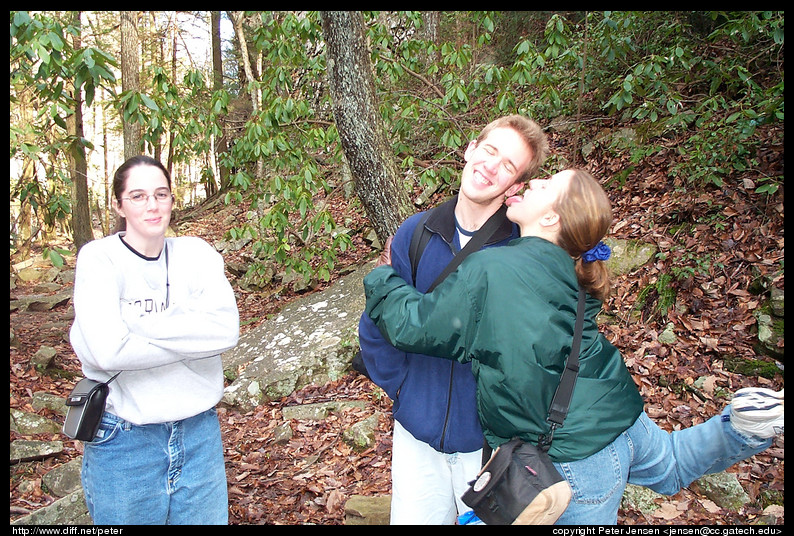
160,311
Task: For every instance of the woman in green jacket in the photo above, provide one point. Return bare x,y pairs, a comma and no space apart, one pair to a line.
511,312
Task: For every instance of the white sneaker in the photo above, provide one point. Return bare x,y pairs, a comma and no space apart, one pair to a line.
758,412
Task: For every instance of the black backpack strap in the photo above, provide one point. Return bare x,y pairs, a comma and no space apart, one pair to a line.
419,241
418,244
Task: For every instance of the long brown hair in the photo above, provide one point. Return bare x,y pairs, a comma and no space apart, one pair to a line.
585,217
120,181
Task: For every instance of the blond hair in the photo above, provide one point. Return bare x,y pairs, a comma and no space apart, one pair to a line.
532,135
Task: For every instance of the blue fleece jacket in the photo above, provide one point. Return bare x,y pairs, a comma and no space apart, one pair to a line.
433,398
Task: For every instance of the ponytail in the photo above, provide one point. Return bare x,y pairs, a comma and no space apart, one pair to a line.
594,277
585,216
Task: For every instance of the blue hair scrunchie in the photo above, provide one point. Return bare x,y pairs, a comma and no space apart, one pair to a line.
600,252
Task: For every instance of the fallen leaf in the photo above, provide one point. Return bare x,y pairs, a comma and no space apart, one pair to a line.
335,499
667,511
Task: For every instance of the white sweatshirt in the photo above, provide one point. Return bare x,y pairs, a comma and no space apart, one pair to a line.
170,356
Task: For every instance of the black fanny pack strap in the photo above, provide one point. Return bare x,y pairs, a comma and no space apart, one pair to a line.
558,409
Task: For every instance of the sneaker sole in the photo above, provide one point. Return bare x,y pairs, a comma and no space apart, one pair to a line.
758,411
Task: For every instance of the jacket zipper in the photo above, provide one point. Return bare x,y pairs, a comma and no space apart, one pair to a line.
449,405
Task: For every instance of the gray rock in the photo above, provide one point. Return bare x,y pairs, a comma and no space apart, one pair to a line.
777,302
319,410
27,449
64,479
628,254
30,423
282,433
668,335
32,273
361,435
722,488
364,510
641,498
42,400
312,340
41,302
69,510
43,357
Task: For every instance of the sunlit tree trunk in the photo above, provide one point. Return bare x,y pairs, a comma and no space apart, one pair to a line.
106,170
237,20
130,77
221,145
170,163
78,166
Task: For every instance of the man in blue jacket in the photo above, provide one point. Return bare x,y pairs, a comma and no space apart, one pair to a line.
437,441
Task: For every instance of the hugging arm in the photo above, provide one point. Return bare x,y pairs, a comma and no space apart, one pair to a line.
441,323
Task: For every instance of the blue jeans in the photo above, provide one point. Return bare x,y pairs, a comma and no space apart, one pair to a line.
166,473
648,456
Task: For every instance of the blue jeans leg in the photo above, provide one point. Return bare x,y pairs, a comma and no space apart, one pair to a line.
166,473
666,462
648,456
597,483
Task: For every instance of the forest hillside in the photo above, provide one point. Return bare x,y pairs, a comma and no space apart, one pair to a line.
678,114
683,382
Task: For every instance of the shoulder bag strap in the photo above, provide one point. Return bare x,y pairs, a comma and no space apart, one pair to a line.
113,377
474,244
562,397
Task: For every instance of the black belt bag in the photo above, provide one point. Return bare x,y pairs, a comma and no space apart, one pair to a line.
518,486
85,407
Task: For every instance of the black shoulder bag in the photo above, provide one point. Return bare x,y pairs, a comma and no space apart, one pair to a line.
85,407
519,485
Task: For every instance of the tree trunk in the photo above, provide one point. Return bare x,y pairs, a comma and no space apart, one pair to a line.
106,173
256,95
155,60
170,164
378,182
130,77
78,166
221,145
26,231
432,21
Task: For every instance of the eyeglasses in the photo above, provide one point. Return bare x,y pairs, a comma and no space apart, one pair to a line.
140,198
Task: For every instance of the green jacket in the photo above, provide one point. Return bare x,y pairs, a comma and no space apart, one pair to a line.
511,311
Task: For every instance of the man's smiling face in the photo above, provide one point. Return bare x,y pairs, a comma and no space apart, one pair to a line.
493,165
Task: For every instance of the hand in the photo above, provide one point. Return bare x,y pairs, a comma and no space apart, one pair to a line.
385,254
